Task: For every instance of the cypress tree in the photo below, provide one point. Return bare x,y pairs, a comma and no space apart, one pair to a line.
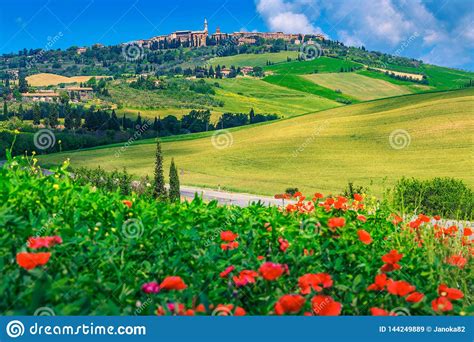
159,191
174,182
36,115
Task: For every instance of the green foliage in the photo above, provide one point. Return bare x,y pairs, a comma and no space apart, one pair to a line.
174,192
448,197
159,186
102,263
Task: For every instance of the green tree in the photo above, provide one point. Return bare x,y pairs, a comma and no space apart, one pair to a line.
68,119
22,83
159,190
53,117
174,183
36,115
114,123
251,115
5,109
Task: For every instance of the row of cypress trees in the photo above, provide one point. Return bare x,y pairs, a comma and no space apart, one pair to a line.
160,191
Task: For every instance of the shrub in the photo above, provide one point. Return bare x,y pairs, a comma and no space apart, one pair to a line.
447,197
115,254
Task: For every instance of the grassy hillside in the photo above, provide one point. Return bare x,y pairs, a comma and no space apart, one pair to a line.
253,59
320,151
300,83
237,95
358,86
322,64
241,94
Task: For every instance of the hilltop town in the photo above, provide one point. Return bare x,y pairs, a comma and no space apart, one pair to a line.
188,38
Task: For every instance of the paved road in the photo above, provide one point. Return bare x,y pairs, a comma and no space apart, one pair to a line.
224,197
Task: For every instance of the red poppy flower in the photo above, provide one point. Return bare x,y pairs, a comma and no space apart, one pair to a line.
314,281
437,217
362,218
390,267
380,312
44,242
457,260
414,297
239,311
467,231
260,257
396,219
423,218
335,222
228,236
127,203
297,194
31,260
284,244
364,236
173,283
272,271
379,283
325,306
358,198
289,304
400,288
245,277
441,304
450,293
229,246
226,272
318,195
201,308
391,260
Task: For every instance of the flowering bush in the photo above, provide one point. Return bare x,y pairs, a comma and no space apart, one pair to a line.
83,251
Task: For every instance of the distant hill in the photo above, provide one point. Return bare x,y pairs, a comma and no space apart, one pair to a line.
372,143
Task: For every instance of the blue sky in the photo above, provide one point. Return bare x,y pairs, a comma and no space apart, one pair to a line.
437,31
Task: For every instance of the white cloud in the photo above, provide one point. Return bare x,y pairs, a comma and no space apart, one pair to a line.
289,17
445,34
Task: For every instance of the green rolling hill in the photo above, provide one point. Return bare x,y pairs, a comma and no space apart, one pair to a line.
321,151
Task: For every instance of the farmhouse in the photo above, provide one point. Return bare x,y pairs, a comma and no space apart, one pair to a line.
81,92
40,97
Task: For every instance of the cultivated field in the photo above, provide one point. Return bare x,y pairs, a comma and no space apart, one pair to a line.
241,94
45,79
300,83
322,64
253,59
431,137
358,86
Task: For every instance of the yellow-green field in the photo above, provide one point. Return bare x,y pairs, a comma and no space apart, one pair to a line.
253,59
358,86
243,93
46,79
320,151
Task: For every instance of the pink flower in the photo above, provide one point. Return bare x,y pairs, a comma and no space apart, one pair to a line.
151,287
